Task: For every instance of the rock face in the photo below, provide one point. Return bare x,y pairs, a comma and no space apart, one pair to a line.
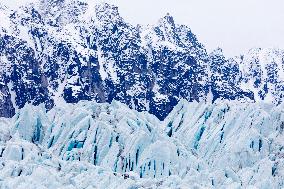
227,144
79,50
90,101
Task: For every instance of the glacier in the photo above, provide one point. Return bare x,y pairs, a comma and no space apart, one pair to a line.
88,100
227,144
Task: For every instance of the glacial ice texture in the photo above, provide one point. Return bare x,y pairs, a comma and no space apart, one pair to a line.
227,144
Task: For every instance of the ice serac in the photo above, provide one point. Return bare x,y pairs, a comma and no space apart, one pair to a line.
244,140
226,144
83,50
110,136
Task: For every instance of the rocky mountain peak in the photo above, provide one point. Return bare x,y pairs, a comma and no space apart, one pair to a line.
84,50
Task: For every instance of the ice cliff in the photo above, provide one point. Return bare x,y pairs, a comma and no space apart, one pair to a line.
228,144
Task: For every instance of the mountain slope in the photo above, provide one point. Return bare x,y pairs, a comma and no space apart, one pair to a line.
78,50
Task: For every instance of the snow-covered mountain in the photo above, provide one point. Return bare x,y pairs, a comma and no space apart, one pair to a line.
81,50
227,144
88,100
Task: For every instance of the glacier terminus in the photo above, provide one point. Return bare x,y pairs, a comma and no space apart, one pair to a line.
88,100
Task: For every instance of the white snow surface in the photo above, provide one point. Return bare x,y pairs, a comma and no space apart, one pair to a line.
89,145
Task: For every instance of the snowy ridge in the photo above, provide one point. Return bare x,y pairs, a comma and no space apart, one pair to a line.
84,50
227,144
263,72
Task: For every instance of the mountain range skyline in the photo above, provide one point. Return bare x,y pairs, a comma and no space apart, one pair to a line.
78,51
234,26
